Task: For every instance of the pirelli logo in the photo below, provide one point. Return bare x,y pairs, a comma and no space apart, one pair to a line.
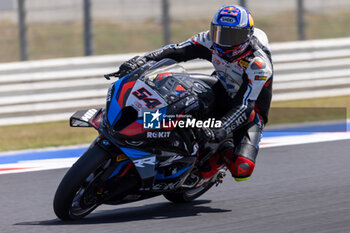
261,78
121,157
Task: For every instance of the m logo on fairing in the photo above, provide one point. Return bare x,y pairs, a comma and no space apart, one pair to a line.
143,162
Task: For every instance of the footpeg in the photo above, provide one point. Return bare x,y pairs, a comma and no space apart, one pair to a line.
220,177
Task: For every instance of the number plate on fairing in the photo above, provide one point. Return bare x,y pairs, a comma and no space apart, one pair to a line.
144,98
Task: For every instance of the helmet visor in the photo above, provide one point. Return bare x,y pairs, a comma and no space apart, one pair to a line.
229,36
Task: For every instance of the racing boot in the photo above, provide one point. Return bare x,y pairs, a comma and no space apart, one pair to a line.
216,162
211,166
240,167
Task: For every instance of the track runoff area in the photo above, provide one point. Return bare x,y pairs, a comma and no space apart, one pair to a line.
63,157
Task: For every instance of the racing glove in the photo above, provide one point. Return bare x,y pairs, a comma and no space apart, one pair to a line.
131,65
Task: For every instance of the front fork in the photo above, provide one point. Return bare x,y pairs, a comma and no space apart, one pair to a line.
117,166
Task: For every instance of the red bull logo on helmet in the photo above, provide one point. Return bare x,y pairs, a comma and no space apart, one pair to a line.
230,10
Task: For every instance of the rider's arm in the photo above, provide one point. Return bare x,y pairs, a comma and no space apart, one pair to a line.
196,47
255,77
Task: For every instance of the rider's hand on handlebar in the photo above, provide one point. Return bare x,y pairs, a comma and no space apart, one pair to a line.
130,65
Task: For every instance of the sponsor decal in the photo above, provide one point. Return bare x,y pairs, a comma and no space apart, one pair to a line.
260,73
243,64
88,115
230,11
158,134
138,105
261,78
242,169
121,157
227,20
240,120
146,161
258,65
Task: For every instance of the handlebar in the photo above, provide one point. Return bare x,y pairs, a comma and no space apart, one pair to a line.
115,75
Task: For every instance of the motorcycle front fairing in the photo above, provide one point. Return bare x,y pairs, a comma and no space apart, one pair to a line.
123,125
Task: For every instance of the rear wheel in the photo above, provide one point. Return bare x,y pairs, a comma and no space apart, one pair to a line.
76,195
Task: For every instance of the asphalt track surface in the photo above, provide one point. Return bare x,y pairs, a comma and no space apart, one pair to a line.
300,188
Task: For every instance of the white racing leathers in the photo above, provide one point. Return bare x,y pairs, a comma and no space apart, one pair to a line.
242,96
247,78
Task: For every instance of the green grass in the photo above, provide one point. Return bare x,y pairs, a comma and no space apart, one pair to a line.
29,136
59,133
51,40
320,109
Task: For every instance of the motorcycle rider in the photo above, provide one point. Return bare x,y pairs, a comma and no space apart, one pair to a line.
242,61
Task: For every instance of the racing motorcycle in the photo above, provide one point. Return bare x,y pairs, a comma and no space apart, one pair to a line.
141,150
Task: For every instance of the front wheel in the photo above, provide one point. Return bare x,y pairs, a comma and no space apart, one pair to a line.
76,195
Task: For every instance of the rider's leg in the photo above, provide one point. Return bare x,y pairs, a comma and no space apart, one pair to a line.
221,106
241,162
